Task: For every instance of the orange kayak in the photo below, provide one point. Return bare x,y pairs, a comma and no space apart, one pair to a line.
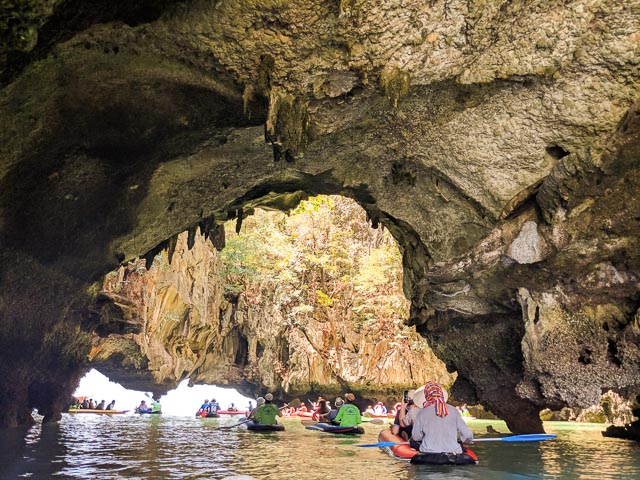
103,412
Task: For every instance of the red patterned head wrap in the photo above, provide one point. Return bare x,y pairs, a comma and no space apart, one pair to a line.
433,394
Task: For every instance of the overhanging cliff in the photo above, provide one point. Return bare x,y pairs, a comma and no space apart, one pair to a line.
497,141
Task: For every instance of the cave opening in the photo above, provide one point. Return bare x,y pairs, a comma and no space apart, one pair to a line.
313,296
182,400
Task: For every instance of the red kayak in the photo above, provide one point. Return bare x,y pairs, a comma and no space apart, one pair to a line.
233,412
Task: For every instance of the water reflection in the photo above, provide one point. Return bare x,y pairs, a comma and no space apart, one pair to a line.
117,447
36,452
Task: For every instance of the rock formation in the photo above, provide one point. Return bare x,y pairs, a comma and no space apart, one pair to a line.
182,319
496,140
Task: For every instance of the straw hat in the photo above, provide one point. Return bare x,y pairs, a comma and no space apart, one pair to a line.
418,395
268,397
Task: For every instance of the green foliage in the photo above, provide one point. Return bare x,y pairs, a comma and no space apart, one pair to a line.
328,265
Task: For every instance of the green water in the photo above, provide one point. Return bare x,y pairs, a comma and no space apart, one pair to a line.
101,447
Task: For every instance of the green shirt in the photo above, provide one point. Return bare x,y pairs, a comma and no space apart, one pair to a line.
155,407
267,413
348,415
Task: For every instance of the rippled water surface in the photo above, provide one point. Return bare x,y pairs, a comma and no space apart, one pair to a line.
128,446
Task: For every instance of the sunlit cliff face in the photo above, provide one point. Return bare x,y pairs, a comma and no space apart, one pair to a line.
497,141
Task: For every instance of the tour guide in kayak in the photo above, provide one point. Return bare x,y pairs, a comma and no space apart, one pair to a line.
349,414
436,428
266,414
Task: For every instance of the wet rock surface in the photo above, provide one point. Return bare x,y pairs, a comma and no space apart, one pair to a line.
458,126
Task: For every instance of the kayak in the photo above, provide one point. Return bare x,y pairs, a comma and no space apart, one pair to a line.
150,412
399,452
206,415
379,415
232,412
89,410
261,427
405,452
327,427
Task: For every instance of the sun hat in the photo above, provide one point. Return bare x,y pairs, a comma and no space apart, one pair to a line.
349,397
268,397
339,401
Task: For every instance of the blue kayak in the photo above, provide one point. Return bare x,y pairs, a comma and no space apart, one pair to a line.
329,428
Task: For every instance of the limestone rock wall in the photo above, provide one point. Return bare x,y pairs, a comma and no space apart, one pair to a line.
458,125
180,319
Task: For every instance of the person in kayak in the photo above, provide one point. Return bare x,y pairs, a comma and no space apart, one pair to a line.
266,414
349,414
321,410
331,416
438,424
111,405
259,403
156,407
402,411
380,409
213,406
203,407
142,407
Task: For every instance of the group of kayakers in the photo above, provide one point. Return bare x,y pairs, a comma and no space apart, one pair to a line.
423,417
155,407
209,407
345,413
88,404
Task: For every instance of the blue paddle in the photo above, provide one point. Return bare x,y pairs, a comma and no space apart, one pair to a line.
530,437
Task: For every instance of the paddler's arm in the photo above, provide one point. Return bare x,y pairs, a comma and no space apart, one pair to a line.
416,433
338,418
466,435
403,411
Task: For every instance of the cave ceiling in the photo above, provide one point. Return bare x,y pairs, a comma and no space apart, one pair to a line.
496,140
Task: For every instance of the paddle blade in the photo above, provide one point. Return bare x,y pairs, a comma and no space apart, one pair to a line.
379,444
375,421
530,437
241,422
295,403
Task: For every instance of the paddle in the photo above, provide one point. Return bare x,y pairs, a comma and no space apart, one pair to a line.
295,403
528,437
375,421
531,437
